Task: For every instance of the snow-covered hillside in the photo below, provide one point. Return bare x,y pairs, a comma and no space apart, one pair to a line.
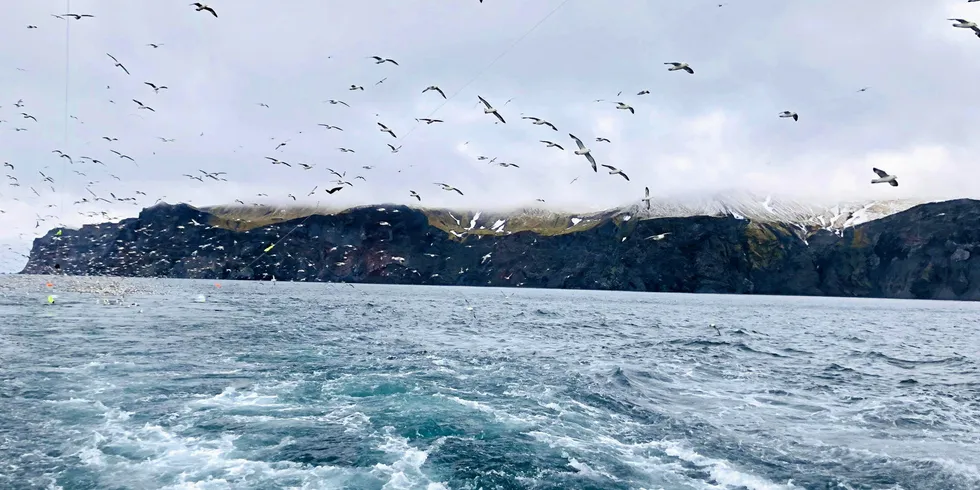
808,215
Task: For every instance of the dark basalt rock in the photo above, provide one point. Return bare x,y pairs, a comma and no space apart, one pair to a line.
929,251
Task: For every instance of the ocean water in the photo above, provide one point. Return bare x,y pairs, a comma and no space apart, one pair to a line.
137,384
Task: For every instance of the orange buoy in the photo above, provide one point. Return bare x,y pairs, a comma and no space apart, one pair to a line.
50,285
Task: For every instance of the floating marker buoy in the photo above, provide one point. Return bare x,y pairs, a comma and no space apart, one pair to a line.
217,285
51,298
269,247
49,285
201,298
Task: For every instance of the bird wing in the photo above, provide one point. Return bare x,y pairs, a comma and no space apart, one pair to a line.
689,69
631,110
881,173
383,126
113,57
484,102
209,9
646,193
552,126
531,118
893,183
499,117
610,167
124,68
673,63
457,190
578,142
591,160
627,177
443,94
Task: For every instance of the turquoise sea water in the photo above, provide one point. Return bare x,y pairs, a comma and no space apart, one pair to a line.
137,384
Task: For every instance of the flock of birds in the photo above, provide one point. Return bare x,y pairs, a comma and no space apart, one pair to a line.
18,178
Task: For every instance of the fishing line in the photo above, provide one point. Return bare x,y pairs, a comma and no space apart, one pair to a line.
440,106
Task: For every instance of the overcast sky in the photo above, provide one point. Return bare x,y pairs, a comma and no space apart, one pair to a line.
709,132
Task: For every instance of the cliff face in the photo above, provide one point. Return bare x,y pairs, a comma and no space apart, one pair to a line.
928,251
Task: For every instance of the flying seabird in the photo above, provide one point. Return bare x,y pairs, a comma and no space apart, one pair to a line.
78,16
490,110
379,60
603,140
616,171
338,128
552,145
892,180
332,190
582,150
795,116
120,65
680,66
200,6
964,23
155,45
155,88
143,106
393,148
447,187
620,105
646,197
415,195
384,129
335,102
345,150
643,92
429,121
540,122
28,116
355,87
436,88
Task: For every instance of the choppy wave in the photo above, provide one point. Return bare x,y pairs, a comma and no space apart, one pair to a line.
375,387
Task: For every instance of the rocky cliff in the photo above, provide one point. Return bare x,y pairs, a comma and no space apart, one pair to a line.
927,251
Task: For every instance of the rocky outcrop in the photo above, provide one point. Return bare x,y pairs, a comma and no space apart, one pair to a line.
928,251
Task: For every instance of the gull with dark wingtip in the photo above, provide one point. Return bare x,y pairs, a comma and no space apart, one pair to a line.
675,66
435,88
117,63
537,121
200,6
490,110
582,150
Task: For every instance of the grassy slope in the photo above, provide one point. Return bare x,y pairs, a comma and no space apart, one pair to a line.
242,218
